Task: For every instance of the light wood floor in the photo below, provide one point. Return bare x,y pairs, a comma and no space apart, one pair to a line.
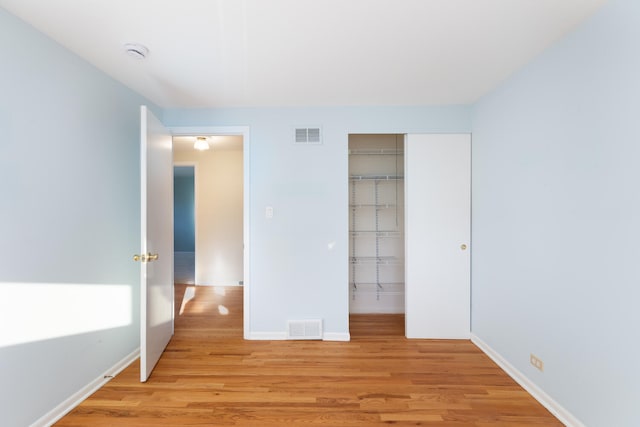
210,376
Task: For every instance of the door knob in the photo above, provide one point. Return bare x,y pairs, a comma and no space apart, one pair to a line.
463,247
145,257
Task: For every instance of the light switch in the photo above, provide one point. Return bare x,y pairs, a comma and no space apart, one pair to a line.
268,212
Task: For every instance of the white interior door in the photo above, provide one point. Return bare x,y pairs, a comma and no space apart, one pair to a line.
156,300
437,235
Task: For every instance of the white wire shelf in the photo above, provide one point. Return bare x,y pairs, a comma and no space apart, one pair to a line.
378,294
379,290
373,260
374,233
376,177
373,205
376,284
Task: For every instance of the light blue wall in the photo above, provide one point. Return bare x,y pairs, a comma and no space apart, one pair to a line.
69,179
184,229
299,259
556,218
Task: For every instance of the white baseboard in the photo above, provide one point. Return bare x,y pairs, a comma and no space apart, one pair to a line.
336,336
75,399
566,417
267,336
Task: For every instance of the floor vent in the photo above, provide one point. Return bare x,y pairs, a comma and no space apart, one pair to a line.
308,136
304,329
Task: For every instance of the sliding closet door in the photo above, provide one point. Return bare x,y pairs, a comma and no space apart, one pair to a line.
437,235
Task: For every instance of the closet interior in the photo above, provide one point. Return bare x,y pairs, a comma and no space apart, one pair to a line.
376,223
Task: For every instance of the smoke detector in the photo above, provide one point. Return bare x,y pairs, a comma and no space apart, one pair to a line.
136,50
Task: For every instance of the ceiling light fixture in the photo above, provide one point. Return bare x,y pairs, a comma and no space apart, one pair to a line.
136,50
201,143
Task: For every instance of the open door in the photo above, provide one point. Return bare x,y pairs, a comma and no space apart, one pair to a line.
437,235
156,258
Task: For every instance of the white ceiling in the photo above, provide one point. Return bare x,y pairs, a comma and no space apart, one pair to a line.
231,53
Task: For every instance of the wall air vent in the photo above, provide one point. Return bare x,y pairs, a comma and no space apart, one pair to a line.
304,329
310,135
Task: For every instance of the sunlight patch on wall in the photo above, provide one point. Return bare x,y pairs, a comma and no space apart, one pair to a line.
39,311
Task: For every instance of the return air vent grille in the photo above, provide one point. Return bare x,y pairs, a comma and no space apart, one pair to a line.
304,329
310,135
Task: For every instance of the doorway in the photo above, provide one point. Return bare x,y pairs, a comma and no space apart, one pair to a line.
376,231
244,132
217,205
409,232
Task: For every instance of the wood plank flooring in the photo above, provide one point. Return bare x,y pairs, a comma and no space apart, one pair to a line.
210,376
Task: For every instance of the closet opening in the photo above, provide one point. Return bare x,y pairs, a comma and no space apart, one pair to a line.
376,234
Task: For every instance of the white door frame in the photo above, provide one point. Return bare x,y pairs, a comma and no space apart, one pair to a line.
245,132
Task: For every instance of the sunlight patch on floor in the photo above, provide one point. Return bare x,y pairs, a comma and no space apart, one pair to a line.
189,294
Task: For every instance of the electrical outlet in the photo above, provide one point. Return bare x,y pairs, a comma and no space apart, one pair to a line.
537,363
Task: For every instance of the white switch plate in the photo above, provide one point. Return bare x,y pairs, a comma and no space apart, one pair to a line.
268,212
